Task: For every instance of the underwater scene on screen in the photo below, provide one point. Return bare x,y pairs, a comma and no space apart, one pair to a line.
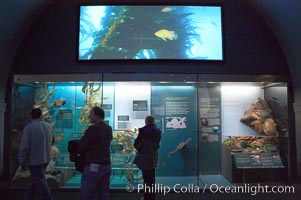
150,32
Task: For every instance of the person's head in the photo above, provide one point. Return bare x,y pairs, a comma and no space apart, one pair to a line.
149,120
96,114
36,113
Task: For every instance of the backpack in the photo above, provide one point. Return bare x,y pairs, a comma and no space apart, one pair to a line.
74,156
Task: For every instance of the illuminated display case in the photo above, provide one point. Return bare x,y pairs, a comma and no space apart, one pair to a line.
196,114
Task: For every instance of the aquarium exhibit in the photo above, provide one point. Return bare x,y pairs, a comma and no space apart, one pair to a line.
150,32
203,122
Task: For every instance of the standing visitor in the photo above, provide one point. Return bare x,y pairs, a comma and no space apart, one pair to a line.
147,144
35,152
94,146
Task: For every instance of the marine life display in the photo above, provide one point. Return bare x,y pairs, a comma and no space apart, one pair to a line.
42,100
165,34
167,9
145,53
268,126
59,138
259,116
59,102
92,98
114,23
180,147
122,32
191,117
125,138
253,144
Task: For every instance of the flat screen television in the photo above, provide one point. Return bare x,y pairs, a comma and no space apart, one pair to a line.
150,32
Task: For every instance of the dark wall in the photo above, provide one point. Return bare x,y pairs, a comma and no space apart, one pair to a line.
51,43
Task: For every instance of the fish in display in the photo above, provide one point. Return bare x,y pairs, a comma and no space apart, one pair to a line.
167,9
59,102
180,147
165,34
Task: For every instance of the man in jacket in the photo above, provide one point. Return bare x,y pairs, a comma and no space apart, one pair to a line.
147,144
35,151
95,147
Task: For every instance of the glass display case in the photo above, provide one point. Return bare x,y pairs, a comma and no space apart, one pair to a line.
197,114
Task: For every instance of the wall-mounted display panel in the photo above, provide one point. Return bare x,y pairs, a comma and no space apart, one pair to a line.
191,32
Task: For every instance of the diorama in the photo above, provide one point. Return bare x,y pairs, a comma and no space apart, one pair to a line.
261,144
259,117
197,118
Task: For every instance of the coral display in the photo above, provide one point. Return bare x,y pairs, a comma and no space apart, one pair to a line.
259,116
253,144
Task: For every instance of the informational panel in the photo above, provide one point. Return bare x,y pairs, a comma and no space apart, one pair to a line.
139,105
173,107
258,160
131,99
64,118
209,97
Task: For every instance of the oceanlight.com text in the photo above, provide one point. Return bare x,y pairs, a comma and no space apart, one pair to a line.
251,189
212,188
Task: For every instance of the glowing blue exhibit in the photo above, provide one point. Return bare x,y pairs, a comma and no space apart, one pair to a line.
204,125
150,32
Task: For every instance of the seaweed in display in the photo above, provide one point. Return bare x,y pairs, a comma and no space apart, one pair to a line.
127,150
162,32
92,94
42,98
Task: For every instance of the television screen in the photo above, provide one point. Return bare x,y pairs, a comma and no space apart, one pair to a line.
150,32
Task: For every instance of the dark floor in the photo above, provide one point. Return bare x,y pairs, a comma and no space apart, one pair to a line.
73,194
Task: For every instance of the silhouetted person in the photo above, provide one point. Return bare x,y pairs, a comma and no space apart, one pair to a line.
35,151
147,144
95,147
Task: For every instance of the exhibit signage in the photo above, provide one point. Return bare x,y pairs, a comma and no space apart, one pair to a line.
258,160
